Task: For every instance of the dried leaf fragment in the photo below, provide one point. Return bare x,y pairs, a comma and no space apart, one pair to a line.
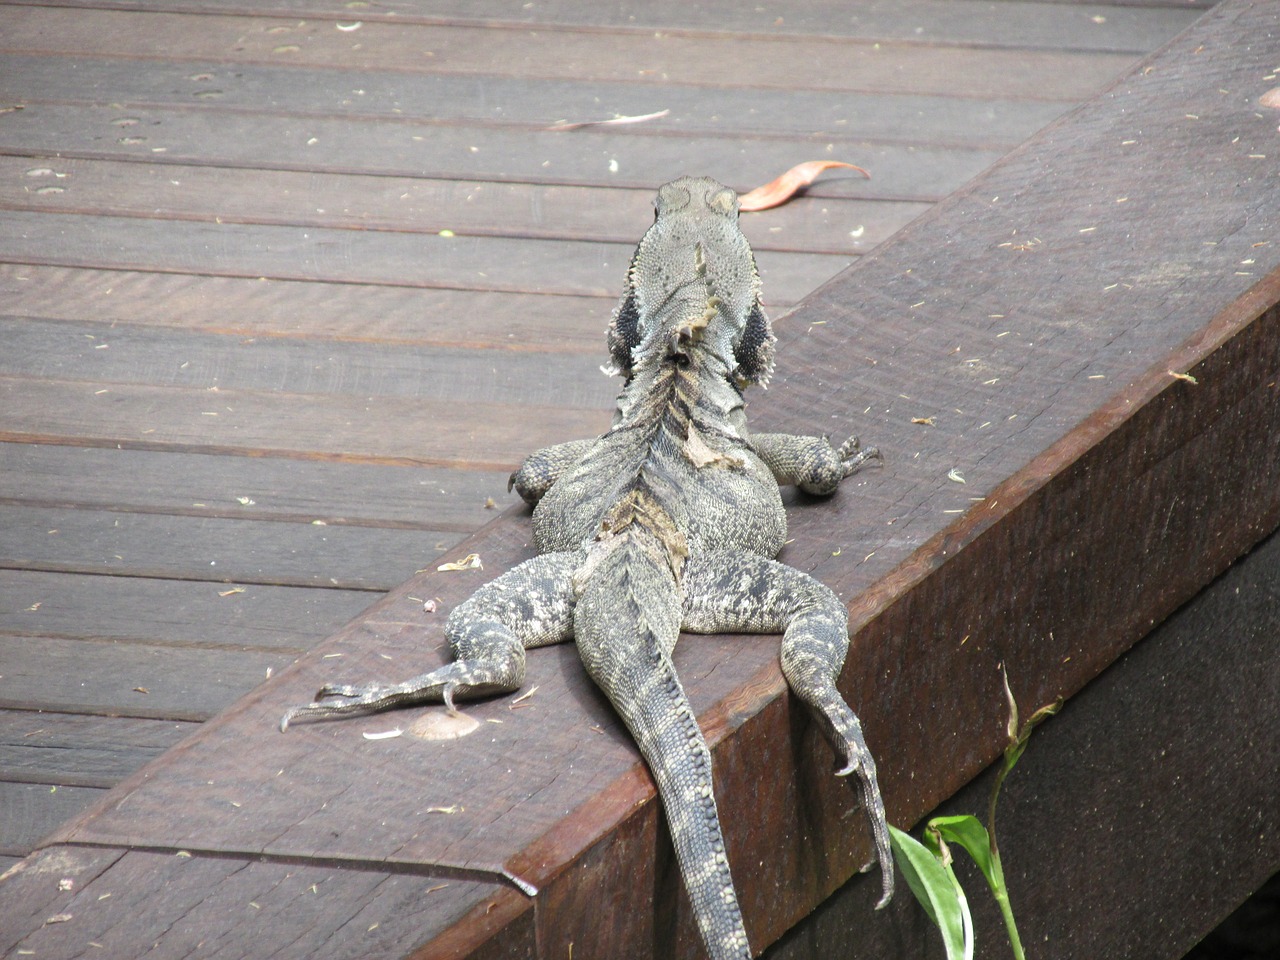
779,191
59,918
523,697
470,562
1271,99
614,121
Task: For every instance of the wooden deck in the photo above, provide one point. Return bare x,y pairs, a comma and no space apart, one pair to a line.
285,299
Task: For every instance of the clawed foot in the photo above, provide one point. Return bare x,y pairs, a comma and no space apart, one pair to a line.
853,455
344,700
858,760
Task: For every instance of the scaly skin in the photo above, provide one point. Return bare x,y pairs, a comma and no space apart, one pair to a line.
668,522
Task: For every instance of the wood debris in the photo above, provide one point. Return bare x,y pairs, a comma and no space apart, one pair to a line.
523,697
613,121
470,562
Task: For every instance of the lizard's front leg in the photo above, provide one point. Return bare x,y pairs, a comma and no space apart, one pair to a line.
811,463
529,606
746,593
534,477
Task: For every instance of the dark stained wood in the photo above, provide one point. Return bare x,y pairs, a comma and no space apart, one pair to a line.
75,750
192,484
256,423
1050,571
388,147
1008,24
180,903
29,811
228,77
216,549
176,613
112,354
844,224
262,307
1159,776
120,678
37,880
355,256
650,58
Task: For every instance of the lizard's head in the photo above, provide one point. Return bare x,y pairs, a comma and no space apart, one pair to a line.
693,285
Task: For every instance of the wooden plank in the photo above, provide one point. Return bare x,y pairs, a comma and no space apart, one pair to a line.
1194,707
216,549
126,679
249,423
65,749
389,147
32,891
230,617
1016,24
575,268
29,811
198,485
164,357
289,308
818,224
933,611
218,906
652,58
224,75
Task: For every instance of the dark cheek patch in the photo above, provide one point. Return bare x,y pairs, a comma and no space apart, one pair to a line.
624,333
755,352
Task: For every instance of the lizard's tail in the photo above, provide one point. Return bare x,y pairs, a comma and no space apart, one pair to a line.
626,622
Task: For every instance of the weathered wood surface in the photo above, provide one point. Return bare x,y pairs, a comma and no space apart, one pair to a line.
230,315
1037,317
1138,816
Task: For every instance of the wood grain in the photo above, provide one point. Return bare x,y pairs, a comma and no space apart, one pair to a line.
251,423
920,22
263,307
75,750
289,490
638,58
833,220
573,268
169,612
400,148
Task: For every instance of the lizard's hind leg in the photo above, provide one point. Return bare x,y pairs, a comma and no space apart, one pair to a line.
529,606
746,593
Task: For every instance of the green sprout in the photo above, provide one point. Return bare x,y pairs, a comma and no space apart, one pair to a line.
927,866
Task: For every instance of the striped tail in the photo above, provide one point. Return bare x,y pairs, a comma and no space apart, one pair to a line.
626,622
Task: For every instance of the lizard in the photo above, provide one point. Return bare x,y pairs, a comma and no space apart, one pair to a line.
668,522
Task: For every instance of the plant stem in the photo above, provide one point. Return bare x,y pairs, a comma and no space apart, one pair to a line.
1001,894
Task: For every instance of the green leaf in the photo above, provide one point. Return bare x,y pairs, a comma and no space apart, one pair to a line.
938,891
970,834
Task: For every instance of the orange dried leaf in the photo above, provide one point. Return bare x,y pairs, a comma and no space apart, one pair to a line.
779,191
